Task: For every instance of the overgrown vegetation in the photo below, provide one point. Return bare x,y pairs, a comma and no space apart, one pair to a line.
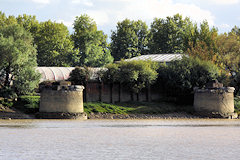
180,77
237,104
28,104
135,75
136,108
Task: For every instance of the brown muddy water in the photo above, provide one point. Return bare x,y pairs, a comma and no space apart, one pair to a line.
119,139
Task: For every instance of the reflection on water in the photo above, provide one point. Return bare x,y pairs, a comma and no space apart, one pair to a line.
119,139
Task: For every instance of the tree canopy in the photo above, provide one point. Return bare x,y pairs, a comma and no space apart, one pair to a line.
18,59
171,35
91,43
130,39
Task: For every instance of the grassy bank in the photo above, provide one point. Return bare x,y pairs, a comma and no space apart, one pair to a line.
30,105
136,108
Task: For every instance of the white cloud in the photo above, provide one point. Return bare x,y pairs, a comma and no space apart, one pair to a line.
66,23
224,26
100,17
223,2
41,1
84,2
146,10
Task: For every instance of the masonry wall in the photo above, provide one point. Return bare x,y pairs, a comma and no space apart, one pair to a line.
220,101
61,101
110,93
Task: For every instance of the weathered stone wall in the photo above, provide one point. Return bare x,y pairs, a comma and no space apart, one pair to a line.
108,93
214,101
65,101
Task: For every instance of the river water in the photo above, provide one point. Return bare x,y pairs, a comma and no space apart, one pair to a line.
119,139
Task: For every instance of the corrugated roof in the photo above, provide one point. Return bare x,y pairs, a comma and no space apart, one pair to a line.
61,73
158,57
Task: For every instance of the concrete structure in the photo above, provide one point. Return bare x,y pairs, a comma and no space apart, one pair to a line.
65,102
215,101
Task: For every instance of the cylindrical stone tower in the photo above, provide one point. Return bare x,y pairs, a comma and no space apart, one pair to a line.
66,102
214,101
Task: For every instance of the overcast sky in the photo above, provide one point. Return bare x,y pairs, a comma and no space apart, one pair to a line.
223,14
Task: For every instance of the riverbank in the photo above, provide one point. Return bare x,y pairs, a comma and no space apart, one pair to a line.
182,115
13,113
97,110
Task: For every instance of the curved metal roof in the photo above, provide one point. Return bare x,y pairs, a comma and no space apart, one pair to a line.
54,73
61,73
158,57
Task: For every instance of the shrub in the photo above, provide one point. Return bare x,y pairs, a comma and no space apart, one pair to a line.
30,101
237,104
181,76
80,75
135,75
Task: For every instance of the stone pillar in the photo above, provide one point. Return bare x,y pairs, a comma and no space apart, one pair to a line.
216,101
62,103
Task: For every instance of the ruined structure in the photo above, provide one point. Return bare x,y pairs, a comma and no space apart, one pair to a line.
215,100
63,101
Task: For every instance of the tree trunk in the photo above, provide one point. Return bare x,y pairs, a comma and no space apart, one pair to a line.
8,72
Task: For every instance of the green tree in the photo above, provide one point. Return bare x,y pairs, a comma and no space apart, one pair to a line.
91,43
171,35
181,76
236,30
130,39
134,75
54,45
29,23
18,59
228,50
80,75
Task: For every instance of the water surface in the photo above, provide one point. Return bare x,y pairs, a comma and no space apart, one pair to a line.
119,139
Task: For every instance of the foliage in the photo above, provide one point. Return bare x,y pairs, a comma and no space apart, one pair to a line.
171,35
229,51
205,47
80,75
28,104
136,75
30,101
237,104
18,57
6,102
105,108
135,108
130,39
181,76
29,23
91,43
54,45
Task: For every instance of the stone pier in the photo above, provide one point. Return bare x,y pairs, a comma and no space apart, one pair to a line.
65,102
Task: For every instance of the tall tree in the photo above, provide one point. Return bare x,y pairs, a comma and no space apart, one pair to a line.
205,46
171,35
91,43
130,39
18,59
54,45
236,30
29,23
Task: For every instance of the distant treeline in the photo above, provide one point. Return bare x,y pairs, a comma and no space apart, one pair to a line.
26,43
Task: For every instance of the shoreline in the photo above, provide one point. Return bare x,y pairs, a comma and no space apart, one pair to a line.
13,113
109,116
176,115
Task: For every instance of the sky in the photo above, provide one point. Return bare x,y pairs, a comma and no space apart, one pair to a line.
223,14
